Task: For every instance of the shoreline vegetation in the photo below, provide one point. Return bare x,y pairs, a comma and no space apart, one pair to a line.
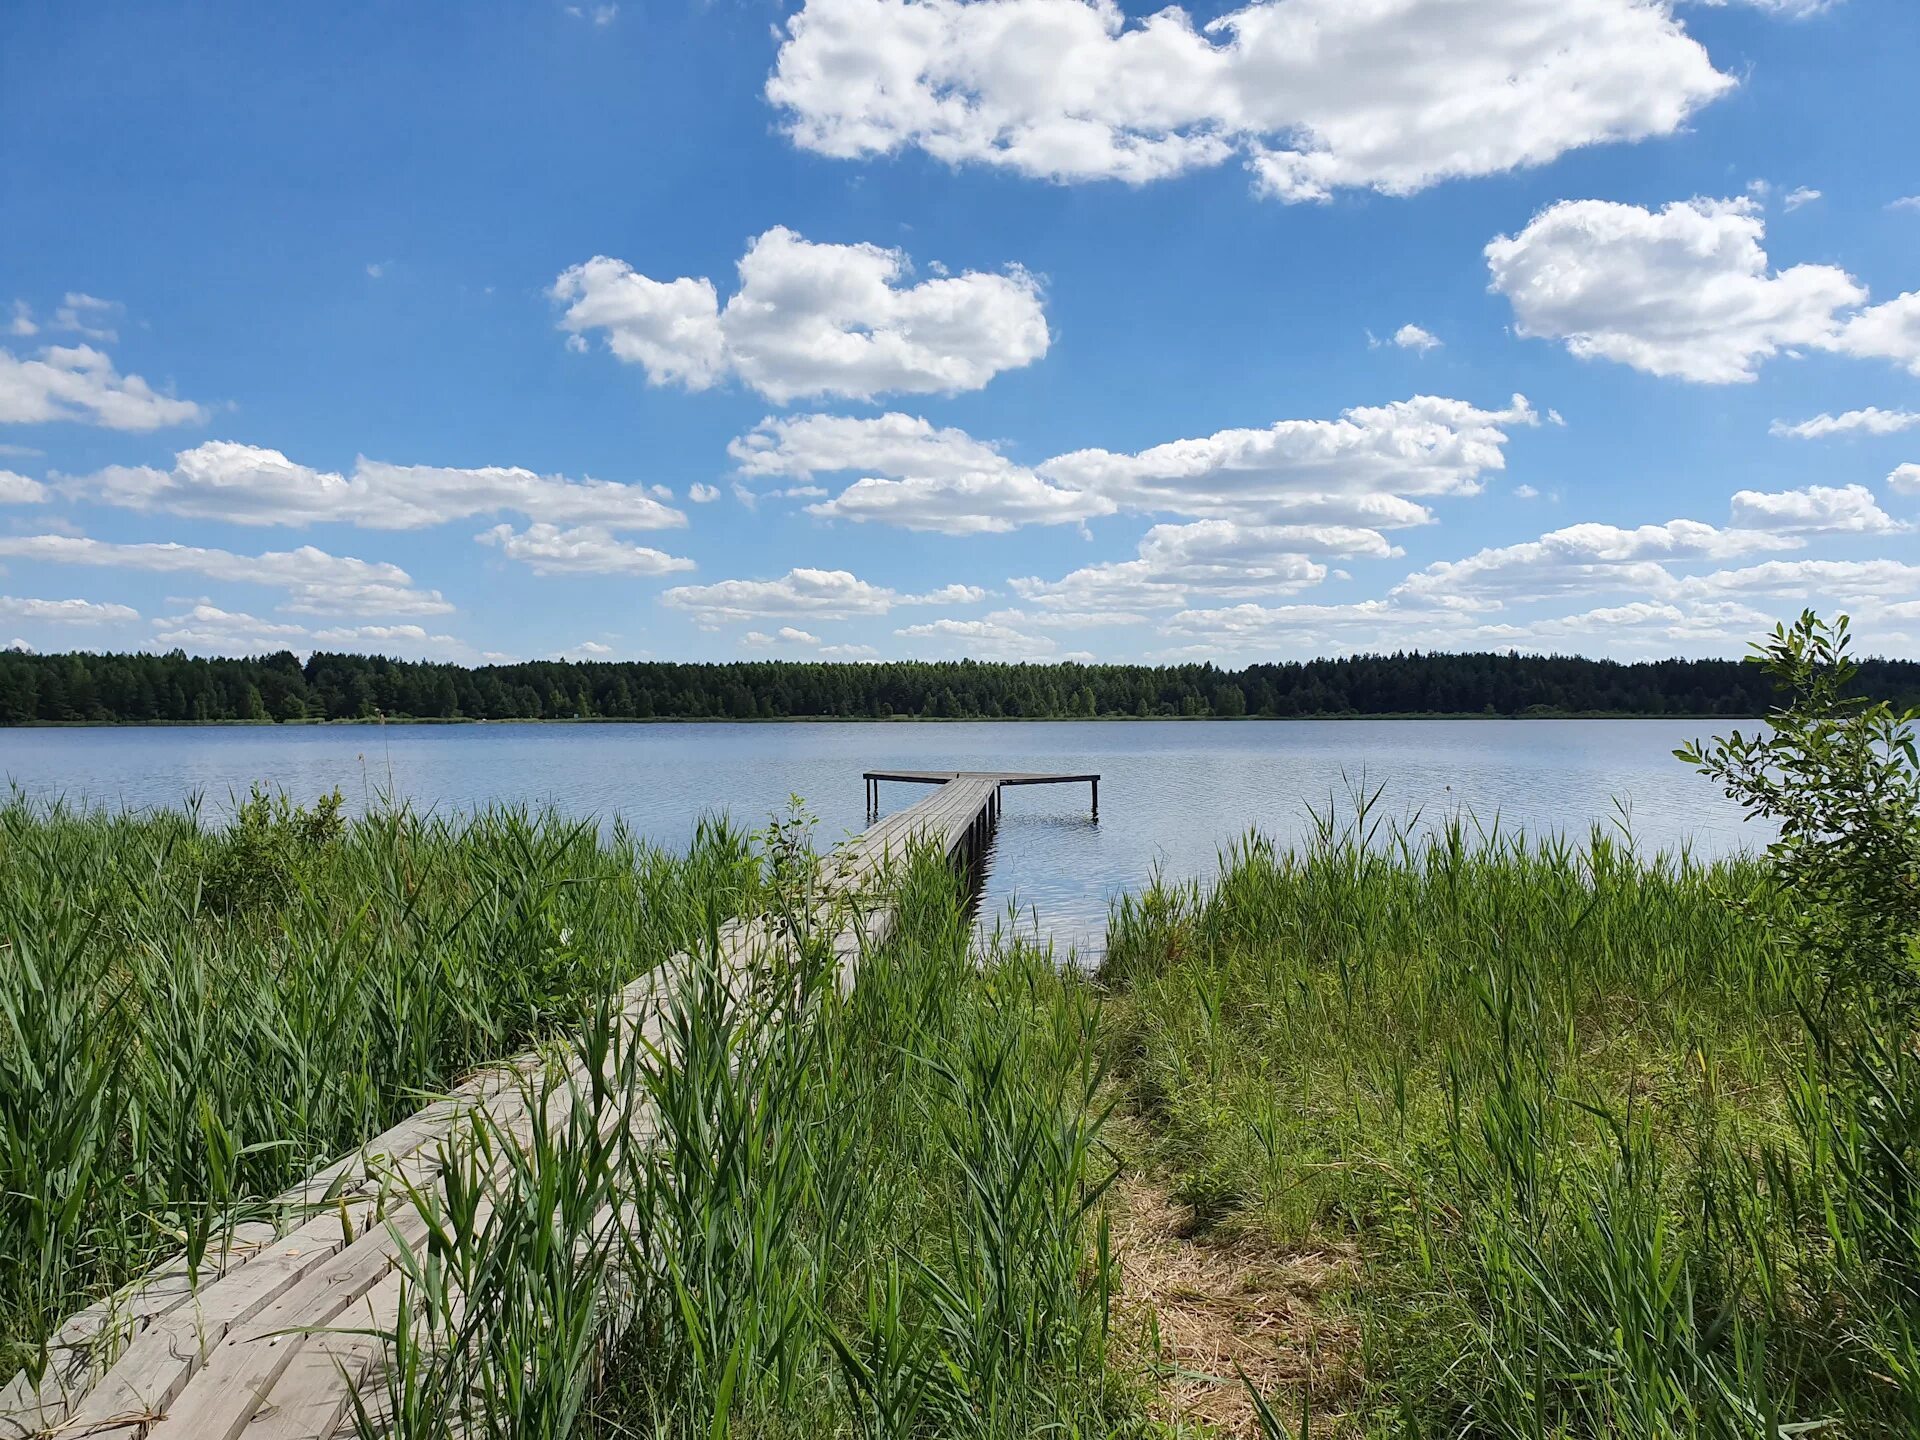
141,688
1394,1134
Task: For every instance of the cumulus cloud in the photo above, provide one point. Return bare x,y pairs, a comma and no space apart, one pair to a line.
993,640
1578,558
17,489
1357,470
703,494
315,582
915,476
802,593
1803,195
21,323
1870,421
252,485
581,550
206,629
1816,510
1218,557
64,612
1905,479
1847,581
79,383
1684,291
812,319
1412,337
785,635
1313,95
1886,332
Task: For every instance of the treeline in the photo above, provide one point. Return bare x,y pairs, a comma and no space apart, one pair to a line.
141,687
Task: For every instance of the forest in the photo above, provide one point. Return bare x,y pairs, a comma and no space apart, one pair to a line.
146,688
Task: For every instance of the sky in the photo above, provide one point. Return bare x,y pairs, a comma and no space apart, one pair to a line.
1012,329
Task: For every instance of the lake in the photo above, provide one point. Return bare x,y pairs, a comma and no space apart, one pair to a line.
1172,793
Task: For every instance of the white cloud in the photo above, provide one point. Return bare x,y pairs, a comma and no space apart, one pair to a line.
1578,558
1905,479
64,612
1217,557
1068,619
21,322
1844,580
581,550
17,489
1905,202
1412,337
785,635
1792,9
703,494
207,629
1315,95
1794,199
316,583
252,485
1684,291
79,383
804,593
1887,332
916,476
955,594
822,594
990,639
600,16
1357,470
588,649
87,315
1872,421
1816,510
812,319
672,327
1525,492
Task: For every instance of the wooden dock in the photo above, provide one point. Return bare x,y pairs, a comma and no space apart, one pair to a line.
997,779
276,1332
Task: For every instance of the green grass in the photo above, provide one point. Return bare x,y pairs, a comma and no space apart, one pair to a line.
875,1214
1601,1163
194,1016
1600,1171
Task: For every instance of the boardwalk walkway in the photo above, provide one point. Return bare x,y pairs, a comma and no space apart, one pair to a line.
232,1349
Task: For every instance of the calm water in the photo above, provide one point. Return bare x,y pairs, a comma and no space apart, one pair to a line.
1172,794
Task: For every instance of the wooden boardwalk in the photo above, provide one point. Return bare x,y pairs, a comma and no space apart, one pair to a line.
261,1342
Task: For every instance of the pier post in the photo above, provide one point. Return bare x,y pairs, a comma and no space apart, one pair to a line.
1096,797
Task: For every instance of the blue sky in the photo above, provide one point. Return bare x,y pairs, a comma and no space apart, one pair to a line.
926,328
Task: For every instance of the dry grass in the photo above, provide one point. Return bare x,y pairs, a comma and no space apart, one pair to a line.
1221,1306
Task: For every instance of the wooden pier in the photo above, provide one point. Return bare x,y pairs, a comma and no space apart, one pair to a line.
277,1330
998,779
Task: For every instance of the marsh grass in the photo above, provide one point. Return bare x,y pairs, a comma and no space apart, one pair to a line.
1605,1172
193,1016
871,1213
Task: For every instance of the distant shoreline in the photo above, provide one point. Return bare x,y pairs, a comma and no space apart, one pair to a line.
462,721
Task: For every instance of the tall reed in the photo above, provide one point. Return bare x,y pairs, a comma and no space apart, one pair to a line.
194,1015
872,1212
1563,1105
